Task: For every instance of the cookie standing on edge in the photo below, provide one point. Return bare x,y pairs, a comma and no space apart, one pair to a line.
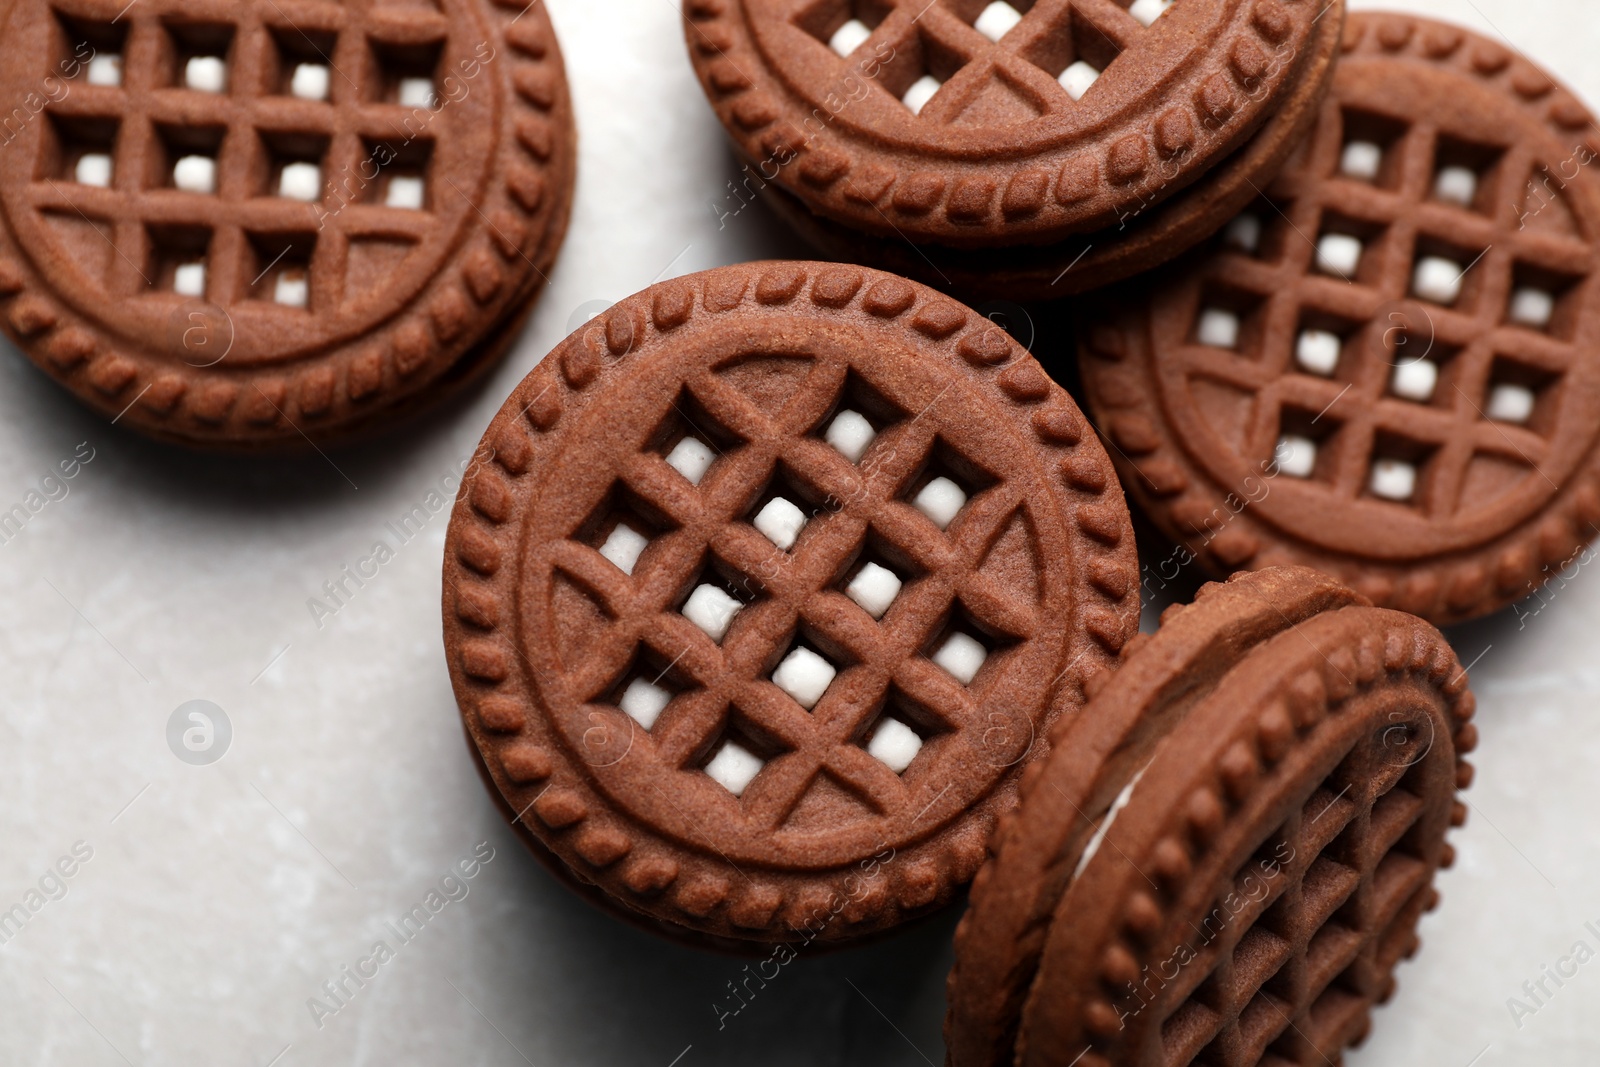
1389,368
764,589
233,230
1225,855
1018,155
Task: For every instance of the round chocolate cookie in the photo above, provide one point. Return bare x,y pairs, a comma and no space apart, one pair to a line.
245,226
1023,142
1225,855
1389,367
766,586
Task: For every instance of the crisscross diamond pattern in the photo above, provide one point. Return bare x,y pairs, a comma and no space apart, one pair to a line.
365,134
1336,868
1029,59
789,592
1363,406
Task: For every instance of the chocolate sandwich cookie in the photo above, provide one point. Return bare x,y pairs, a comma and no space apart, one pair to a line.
1224,857
243,225
1389,367
764,590
1004,152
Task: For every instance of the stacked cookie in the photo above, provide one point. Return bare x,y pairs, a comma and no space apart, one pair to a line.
1023,151
1388,367
787,598
236,229
782,595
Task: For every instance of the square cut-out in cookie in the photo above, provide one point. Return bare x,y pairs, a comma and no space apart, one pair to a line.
177,259
1362,160
643,701
1079,78
1438,279
961,656
189,279
1531,306
1415,379
1295,455
310,81
206,74
292,288
301,181
1510,402
781,522
1456,185
104,70
851,434
1147,11
940,500
280,265
1339,254
405,74
847,38
734,767
1244,233
1218,328
416,92
195,174
712,609
997,20
1316,351
1464,172
921,91
805,676
1369,150
894,744
406,191
623,547
197,55
692,458
185,157
1393,479
874,587
93,168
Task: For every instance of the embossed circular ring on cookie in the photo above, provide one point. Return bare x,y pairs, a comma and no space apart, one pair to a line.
764,589
1389,367
962,125
1225,856
240,226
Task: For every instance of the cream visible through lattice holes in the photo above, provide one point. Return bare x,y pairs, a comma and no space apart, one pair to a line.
267,167
1331,901
1422,335
1002,62
801,607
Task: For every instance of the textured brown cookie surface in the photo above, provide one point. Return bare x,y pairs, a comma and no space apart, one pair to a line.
1281,760
236,224
1146,236
1388,368
661,553
1003,153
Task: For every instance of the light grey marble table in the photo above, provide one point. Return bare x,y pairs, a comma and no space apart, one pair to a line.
207,905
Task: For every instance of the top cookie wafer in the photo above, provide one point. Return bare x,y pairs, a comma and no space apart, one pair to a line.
1390,368
970,123
237,223
764,589
1225,855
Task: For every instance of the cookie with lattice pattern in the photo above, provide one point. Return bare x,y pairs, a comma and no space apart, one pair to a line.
1389,366
764,589
1226,854
246,225
902,132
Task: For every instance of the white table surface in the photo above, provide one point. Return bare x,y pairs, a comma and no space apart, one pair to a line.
219,898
